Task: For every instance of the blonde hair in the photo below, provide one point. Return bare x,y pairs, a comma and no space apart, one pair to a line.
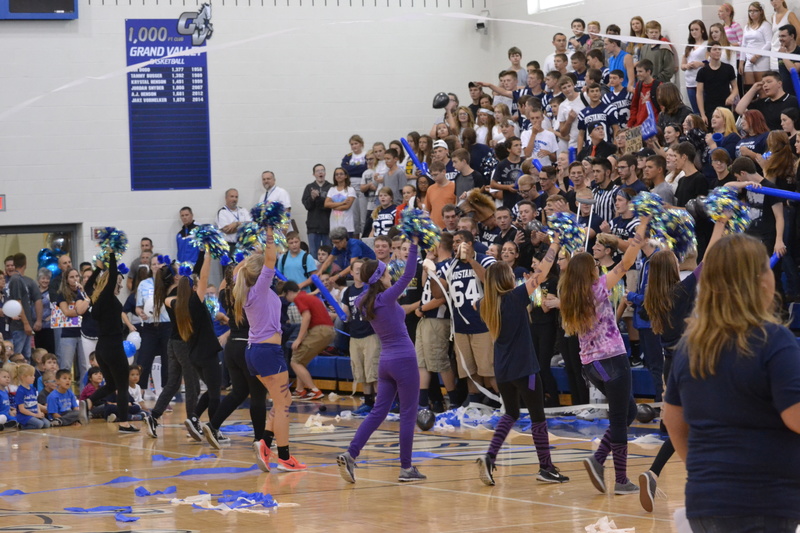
99,286
729,304
377,210
13,371
25,370
246,278
730,122
577,298
499,282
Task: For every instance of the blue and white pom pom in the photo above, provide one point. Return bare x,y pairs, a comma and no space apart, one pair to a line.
396,268
114,239
679,226
417,223
269,215
724,201
206,236
249,237
647,204
123,269
564,229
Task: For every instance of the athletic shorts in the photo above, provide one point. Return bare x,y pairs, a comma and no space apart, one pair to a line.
265,359
317,339
433,344
364,356
478,354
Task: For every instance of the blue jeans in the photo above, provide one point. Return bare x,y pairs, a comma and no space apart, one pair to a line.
36,423
612,377
315,240
22,343
743,524
691,92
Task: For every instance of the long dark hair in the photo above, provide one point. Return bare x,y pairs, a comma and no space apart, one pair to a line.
367,305
183,319
227,293
161,283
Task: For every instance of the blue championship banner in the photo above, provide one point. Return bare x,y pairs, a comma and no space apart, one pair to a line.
168,103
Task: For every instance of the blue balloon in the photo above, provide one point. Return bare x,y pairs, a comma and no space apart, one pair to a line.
130,349
48,259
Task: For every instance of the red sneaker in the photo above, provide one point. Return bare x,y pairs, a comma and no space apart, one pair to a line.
292,465
313,395
263,454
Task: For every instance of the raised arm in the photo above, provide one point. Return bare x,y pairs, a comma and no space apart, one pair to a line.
202,278
394,292
613,277
270,250
540,274
112,273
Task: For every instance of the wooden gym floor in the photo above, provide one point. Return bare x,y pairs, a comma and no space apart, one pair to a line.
71,467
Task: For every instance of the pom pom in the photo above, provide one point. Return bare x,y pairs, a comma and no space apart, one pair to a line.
279,238
679,225
224,260
723,201
212,304
417,223
565,230
269,214
211,239
239,257
114,239
164,260
123,269
396,268
249,237
647,204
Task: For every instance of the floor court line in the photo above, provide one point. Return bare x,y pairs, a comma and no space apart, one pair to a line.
377,481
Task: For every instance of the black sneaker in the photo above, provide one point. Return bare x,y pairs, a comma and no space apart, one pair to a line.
212,436
485,469
437,407
11,424
551,475
636,362
193,427
128,430
150,425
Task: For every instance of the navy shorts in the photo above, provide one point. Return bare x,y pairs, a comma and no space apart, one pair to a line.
265,359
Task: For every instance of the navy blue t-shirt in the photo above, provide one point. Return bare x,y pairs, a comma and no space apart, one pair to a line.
359,328
466,291
514,355
736,431
385,221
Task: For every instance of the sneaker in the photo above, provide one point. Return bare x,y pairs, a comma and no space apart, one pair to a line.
150,425
111,418
11,424
411,474
128,429
313,395
213,436
262,455
636,362
56,423
363,410
395,407
625,488
84,410
437,407
223,439
648,482
291,465
551,475
485,469
596,472
347,467
593,413
299,393
194,429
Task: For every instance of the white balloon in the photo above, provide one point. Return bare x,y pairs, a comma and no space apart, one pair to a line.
135,339
12,308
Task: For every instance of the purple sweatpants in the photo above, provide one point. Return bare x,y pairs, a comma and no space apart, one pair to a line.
394,376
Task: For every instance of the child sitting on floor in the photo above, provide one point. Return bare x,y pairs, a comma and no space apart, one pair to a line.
30,414
49,363
62,405
48,381
7,419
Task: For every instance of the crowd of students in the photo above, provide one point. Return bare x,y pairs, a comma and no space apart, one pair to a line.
553,136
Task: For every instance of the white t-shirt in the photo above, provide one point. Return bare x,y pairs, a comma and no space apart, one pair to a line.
344,219
545,140
481,132
563,112
550,65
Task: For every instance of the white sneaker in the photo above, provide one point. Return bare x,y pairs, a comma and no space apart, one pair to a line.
593,413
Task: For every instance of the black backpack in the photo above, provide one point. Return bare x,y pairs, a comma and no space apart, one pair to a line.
303,258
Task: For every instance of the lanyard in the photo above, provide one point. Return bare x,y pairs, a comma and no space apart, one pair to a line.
235,215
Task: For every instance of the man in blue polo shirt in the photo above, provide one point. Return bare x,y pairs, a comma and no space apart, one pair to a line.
345,251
